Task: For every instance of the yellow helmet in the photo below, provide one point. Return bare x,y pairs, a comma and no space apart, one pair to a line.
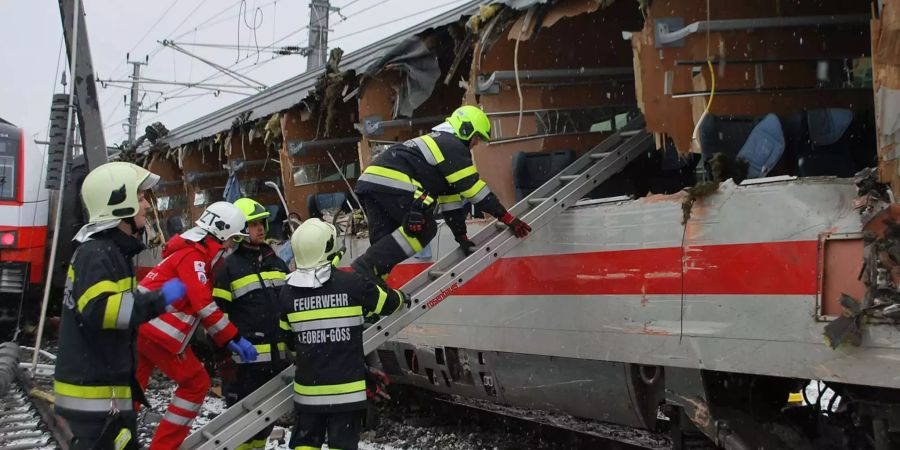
110,191
468,120
252,210
313,243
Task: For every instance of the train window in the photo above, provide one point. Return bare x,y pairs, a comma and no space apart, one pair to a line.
9,153
171,202
207,196
322,173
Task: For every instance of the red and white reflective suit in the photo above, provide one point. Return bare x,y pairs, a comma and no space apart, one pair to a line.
161,339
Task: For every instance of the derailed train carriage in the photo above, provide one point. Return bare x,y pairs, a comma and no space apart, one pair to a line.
690,292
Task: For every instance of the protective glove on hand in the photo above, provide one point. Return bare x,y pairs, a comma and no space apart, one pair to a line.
467,246
405,298
519,228
244,349
172,291
415,219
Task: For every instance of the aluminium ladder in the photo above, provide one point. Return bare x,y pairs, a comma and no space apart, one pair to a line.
240,422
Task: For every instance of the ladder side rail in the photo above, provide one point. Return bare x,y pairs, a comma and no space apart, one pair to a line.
228,417
242,430
435,292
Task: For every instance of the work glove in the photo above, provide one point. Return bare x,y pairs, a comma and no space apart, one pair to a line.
415,219
173,290
376,385
405,298
244,349
467,246
519,228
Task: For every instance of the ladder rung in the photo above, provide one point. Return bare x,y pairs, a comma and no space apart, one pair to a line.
629,133
599,155
206,434
500,225
436,273
568,178
536,201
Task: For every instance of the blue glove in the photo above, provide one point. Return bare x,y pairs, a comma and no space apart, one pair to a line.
173,291
244,349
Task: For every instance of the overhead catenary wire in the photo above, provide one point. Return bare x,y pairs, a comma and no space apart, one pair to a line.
394,20
202,25
147,33
177,92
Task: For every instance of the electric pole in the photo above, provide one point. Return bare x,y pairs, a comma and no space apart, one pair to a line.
317,52
135,105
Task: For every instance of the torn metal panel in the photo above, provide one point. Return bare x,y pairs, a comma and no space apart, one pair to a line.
522,30
420,72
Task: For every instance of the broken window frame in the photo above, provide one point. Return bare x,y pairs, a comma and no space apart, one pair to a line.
204,197
170,202
325,172
548,125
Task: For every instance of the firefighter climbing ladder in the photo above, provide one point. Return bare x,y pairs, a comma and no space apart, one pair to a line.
274,399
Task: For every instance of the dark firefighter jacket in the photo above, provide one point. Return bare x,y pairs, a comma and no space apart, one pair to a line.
100,315
246,289
330,374
438,164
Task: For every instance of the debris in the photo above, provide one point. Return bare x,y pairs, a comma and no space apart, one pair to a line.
721,167
694,193
273,130
847,327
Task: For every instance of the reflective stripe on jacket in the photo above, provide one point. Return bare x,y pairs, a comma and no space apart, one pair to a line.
438,164
190,262
247,285
100,314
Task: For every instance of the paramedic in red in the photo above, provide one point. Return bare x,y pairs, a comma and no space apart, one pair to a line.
163,342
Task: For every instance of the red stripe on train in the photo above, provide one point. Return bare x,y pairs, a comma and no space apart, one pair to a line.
774,268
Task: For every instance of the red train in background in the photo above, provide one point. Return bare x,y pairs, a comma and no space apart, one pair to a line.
24,212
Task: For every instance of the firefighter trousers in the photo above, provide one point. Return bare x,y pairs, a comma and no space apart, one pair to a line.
338,430
390,243
88,434
248,378
193,385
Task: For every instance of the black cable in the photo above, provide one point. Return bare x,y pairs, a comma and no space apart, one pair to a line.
357,32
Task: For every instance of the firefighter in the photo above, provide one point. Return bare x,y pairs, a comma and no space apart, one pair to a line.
398,192
246,289
94,378
163,342
325,308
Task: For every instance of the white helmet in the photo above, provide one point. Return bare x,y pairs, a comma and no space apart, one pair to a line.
110,191
313,243
223,220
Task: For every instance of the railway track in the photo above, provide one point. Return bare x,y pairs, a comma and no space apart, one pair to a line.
26,418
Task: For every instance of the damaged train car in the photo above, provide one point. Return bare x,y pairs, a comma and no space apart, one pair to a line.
750,252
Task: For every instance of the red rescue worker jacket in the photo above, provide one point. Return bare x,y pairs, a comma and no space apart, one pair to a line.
190,261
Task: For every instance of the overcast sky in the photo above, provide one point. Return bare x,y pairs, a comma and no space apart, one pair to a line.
31,32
